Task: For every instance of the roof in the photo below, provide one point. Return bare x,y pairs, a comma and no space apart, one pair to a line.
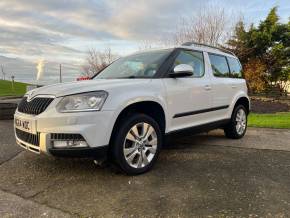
207,48
195,46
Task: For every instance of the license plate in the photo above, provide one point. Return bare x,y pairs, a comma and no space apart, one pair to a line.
22,124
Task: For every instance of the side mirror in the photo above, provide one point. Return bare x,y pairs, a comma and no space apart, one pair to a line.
182,70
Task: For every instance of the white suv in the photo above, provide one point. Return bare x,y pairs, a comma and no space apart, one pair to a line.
125,111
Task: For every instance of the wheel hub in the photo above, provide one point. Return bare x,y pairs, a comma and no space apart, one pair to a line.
140,143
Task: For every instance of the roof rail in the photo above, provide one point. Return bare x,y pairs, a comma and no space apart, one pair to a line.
206,45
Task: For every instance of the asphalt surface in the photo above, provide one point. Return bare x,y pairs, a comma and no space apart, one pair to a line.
202,175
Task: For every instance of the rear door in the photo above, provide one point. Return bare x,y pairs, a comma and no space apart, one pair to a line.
237,81
221,85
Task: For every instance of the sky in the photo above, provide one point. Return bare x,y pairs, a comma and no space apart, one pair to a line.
53,32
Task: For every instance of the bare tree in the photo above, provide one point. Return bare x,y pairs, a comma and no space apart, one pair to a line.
97,60
146,44
211,25
3,72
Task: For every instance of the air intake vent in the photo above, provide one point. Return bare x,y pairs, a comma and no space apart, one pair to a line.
28,137
66,137
35,106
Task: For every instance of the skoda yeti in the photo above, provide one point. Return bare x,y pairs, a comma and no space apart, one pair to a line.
126,110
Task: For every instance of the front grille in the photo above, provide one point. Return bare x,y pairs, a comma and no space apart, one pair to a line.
66,137
28,137
35,106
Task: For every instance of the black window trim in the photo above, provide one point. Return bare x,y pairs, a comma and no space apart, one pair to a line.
163,69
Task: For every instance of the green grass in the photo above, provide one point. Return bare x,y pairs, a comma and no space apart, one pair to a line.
6,88
277,120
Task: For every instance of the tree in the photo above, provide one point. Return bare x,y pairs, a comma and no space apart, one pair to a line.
272,44
269,42
210,25
254,73
238,43
145,45
97,60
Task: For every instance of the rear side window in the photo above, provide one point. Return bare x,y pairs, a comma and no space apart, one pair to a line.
219,65
192,58
235,67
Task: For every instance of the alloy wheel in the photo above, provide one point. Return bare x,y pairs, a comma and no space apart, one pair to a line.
241,121
140,145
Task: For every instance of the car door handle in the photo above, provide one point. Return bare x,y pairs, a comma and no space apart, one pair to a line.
233,86
207,87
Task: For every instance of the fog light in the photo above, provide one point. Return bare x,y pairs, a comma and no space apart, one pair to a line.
69,144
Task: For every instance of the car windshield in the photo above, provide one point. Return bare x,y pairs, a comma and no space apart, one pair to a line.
141,65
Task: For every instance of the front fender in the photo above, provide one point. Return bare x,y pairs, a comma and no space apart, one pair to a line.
152,91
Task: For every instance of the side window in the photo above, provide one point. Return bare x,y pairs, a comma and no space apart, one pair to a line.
219,65
192,58
235,67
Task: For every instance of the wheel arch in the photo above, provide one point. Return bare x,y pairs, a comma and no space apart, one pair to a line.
245,101
151,108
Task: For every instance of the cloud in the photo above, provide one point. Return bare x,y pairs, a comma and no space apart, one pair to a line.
60,31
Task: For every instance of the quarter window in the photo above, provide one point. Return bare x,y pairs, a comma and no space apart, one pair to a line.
235,67
219,65
192,58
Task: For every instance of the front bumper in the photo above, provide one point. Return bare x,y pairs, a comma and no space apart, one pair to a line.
98,152
94,127
46,147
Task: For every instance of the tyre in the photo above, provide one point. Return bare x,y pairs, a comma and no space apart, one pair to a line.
237,127
136,144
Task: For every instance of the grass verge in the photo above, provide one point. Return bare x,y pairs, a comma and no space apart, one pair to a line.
7,90
276,120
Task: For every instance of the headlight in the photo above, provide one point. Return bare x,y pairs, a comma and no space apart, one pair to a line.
90,101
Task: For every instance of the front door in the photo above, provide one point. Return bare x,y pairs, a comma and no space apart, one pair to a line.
189,98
